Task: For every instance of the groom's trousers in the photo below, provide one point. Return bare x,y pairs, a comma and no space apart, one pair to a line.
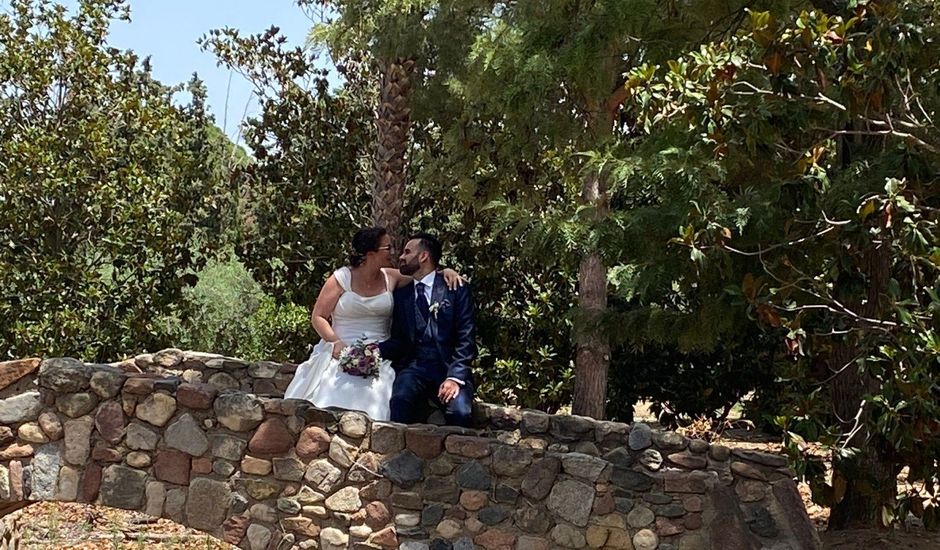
415,385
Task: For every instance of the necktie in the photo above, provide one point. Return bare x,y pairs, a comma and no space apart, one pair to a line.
422,302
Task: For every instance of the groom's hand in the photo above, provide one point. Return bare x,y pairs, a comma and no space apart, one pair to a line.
448,391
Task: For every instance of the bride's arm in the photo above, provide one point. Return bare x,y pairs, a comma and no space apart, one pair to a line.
323,310
451,277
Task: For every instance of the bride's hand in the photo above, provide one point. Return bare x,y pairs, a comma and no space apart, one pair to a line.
453,279
338,347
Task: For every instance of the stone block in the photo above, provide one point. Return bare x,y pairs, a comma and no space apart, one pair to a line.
196,396
139,385
312,442
749,471
387,438
186,435
323,476
571,428
495,539
24,407
207,504
140,437
63,375
405,469
345,500
342,452
74,405
223,381
632,480
272,437
288,469
641,437
123,487
156,496
12,371
474,475
256,466
540,478
510,461
44,472
645,539
572,501
567,536
78,440
30,432
51,425
238,412
583,466
90,484
468,446
353,424
425,442
172,466
441,489
156,409
228,447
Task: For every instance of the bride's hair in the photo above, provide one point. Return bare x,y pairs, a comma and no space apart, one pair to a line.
364,241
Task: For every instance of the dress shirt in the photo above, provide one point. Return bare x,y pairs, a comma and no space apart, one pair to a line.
428,281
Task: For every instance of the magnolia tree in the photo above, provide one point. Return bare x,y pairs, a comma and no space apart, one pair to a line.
807,145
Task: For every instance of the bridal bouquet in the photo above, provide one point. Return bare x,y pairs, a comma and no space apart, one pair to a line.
361,359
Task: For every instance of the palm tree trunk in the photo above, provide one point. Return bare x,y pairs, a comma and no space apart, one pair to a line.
390,159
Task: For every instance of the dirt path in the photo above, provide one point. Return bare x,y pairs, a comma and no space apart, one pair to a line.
61,525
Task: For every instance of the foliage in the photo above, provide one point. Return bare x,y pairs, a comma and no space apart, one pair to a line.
306,191
507,98
108,187
518,120
301,219
807,146
227,312
280,332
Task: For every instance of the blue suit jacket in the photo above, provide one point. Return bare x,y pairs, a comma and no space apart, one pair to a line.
453,329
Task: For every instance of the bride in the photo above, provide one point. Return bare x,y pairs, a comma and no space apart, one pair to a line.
358,301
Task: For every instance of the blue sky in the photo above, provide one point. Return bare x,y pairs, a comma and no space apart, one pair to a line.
167,31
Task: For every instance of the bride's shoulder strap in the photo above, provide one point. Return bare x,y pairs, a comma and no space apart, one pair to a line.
343,277
389,279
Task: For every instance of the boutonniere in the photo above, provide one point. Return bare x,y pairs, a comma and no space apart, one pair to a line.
437,307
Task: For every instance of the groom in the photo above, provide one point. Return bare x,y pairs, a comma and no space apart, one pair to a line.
432,339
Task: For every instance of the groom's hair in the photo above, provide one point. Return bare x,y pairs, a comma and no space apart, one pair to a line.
431,245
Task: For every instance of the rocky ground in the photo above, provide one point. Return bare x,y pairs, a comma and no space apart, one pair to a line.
85,527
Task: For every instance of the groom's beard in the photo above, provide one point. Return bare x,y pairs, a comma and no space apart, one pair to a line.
408,268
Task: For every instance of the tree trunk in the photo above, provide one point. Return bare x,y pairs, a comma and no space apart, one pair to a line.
870,477
393,129
593,349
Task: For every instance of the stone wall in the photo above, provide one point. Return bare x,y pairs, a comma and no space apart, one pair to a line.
165,435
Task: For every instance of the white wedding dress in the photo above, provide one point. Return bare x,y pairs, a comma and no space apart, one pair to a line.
320,380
